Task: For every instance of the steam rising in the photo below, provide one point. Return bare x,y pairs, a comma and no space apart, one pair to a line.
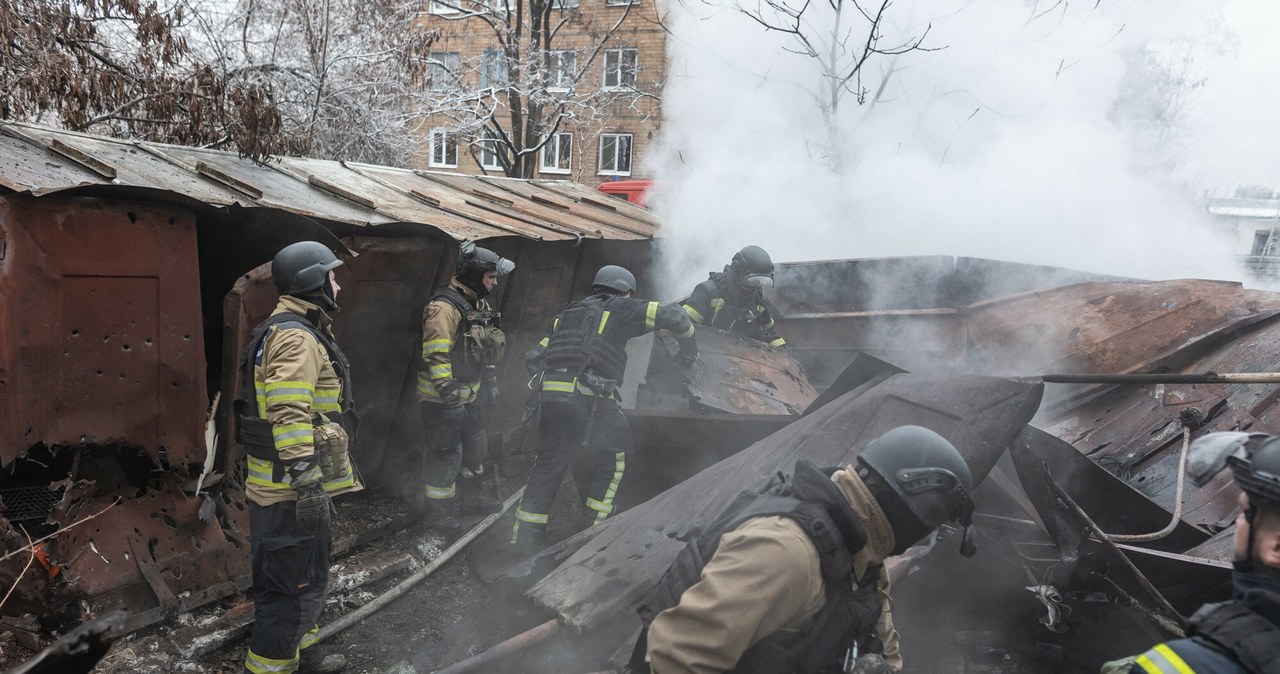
1074,134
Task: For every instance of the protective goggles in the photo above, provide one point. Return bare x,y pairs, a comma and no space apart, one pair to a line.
758,281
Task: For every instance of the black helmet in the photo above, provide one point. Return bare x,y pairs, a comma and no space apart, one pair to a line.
928,476
303,267
752,267
613,277
474,261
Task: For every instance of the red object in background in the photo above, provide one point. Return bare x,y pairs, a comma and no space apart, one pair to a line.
634,191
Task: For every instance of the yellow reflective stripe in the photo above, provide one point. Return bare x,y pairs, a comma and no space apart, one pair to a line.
348,479
717,303
619,467
555,323
442,492
1147,665
263,665
545,341
531,518
299,385
558,386
598,506
262,473
778,342
693,313
310,638
651,316
288,435
604,320
428,388
441,371
1173,659
687,333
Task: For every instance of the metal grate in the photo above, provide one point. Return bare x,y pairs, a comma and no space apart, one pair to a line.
23,504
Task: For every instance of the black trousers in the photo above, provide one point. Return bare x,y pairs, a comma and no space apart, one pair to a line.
455,436
594,444
290,579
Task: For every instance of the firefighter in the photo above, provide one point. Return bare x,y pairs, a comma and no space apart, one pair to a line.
462,343
793,579
295,418
733,300
577,372
1243,634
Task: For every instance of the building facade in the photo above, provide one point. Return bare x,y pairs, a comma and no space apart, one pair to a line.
598,77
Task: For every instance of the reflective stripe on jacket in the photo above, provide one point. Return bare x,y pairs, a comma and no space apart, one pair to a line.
712,303
441,328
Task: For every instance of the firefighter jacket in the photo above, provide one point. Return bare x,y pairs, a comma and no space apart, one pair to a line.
1241,635
765,578
296,388
717,303
585,352
442,359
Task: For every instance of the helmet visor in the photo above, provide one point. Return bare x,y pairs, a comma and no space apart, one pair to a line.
1208,454
758,281
504,266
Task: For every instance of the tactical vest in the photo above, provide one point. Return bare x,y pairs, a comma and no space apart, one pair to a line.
253,431
848,615
1234,628
579,344
734,316
479,342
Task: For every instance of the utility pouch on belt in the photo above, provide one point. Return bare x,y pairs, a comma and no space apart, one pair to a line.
254,433
331,451
604,388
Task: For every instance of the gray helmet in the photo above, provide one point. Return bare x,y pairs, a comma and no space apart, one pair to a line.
613,277
928,476
302,267
1254,459
752,267
473,258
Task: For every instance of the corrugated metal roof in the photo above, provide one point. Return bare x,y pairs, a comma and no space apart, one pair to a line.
1245,208
40,160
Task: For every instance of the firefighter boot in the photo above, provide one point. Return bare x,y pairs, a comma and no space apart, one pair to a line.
314,661
528,539
442,514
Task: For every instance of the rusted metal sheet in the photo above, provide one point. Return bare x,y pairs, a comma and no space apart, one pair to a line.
628,553
597,210
104,341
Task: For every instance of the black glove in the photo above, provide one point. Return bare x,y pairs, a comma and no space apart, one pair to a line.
313,503
448,390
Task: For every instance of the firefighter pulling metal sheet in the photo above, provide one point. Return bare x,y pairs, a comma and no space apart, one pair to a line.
577,372
462,343
789,577
733,300
295,417
1243,634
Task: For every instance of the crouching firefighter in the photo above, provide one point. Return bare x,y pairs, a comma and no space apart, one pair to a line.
789,578
578,370
1243,634
295,417
734,300
462,343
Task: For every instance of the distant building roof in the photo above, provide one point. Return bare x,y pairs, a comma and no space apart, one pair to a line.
1245,208
39,161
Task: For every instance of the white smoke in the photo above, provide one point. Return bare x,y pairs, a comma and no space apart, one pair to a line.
1004,143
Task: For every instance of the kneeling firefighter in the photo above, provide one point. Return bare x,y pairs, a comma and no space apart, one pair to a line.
462,343
810,550
578,371
295,417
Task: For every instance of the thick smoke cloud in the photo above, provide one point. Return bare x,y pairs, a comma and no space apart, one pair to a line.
1076,134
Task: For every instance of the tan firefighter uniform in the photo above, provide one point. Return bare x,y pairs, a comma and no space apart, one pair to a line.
440,323
765,577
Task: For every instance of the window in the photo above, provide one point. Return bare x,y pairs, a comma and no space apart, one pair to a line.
444,148
619,3
564,4
619,68
562,65
493,70
555,154
487,154
615,154
443,7
444,70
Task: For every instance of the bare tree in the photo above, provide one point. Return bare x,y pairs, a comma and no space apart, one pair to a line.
533,78
840,37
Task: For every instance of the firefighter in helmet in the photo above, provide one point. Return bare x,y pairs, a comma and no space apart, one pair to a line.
811,549
1243,634
294,418
578,371
462,343
732,300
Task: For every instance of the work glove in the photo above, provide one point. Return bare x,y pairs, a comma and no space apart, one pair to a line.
686,358
312,510
448,390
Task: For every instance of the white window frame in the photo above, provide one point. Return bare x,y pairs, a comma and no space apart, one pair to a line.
563,4
441,139
564,64
620,3
441,9
442,62
618,68
631,148
561,152
488,140
490,59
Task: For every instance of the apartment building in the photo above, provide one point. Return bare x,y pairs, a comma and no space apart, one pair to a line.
606,63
